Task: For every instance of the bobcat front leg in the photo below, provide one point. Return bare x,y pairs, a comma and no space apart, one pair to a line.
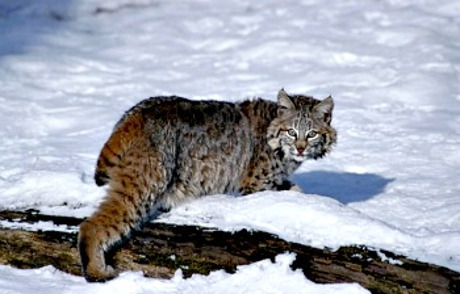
288,185
295,188
285,185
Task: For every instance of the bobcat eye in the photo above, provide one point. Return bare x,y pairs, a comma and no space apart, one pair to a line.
292,132
312,134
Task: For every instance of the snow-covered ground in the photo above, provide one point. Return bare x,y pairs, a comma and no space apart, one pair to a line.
259,278
68,70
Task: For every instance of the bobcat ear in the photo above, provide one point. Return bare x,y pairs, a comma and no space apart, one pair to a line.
324,109
284,101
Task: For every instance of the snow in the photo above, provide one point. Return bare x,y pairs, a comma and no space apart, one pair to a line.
39,226
294,217
390,260
262,277
68,70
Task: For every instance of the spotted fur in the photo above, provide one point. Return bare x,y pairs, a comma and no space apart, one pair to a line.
166,150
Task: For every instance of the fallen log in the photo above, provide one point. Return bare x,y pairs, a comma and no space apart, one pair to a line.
160,249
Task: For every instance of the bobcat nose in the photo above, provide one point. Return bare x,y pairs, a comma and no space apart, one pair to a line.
300,149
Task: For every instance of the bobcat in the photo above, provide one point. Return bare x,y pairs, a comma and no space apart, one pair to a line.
166,150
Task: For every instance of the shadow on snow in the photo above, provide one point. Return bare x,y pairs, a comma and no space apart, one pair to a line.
27,23
345,187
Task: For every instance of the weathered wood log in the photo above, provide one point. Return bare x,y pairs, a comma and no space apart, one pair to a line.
160,249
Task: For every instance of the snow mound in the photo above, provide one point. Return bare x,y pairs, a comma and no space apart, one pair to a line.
262,277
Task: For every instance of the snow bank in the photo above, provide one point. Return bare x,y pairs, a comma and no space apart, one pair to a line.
262,277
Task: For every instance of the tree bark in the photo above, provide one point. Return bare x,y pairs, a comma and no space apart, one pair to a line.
160,249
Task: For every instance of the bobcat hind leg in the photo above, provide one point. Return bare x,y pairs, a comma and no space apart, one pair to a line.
130,201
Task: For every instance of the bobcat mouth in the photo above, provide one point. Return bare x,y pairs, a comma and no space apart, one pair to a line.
299,157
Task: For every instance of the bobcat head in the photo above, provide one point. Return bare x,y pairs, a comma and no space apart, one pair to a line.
302,129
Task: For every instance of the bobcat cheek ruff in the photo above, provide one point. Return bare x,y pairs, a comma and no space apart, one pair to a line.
167,150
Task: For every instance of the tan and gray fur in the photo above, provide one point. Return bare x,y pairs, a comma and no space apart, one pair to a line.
166,150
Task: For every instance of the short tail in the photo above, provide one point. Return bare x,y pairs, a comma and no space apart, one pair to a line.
127,131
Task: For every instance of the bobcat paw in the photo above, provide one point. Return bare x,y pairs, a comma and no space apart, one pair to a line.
97,274
295,188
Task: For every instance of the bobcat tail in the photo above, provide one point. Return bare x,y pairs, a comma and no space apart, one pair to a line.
126,132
